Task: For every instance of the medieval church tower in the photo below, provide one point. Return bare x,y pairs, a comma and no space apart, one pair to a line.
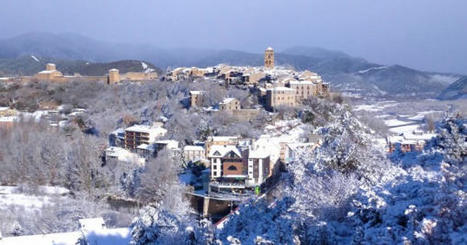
269,58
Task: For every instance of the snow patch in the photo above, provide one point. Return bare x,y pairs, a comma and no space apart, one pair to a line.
35,58
372,69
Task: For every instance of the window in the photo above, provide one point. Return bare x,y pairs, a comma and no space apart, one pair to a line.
232,168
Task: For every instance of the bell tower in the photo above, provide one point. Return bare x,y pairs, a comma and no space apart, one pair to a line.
269,58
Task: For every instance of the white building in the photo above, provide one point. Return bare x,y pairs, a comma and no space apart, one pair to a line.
142,134
258,167
193,153
123,155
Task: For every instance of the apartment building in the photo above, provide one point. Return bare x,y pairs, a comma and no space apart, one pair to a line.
142,134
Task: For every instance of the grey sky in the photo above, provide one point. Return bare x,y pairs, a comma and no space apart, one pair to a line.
424,34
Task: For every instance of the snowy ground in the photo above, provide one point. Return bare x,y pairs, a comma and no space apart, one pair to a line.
118,236
379,106
13,196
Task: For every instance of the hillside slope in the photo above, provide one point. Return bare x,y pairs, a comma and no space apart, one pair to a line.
29,65
457,90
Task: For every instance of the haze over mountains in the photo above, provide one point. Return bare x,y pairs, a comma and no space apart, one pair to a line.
349,74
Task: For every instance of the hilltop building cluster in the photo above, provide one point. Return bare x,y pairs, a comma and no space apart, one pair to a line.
277,86
52,74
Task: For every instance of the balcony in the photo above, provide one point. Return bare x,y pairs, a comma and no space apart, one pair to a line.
230,185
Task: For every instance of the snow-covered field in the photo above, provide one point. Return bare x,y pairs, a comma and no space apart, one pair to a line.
13,196
378,106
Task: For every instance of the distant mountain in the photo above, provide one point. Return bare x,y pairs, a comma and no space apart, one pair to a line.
323,60
29,65
398,79
457,90
344,72
358,76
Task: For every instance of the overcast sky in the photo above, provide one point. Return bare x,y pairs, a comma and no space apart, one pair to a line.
424,34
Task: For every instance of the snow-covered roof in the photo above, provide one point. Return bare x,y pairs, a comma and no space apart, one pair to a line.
47,72
228,100
145,147
153,131
281,89
302,82
170,144
222,150
223,138
196,92
116,236
193,148
124,155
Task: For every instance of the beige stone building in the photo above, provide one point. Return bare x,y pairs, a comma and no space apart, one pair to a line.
252,76
114,76
280,96
197,72
303,89
269,58
196,98
139,76
50,74
229,104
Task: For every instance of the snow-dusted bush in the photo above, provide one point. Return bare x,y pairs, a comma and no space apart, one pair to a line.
158,225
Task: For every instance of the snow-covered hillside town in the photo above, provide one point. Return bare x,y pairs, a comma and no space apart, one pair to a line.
208,150
228,123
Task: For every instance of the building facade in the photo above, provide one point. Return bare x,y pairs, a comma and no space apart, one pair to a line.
229,104
114,76
196,98
50,74
258,168
228,169
280,96
142,134
193,153
303,89
220,140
